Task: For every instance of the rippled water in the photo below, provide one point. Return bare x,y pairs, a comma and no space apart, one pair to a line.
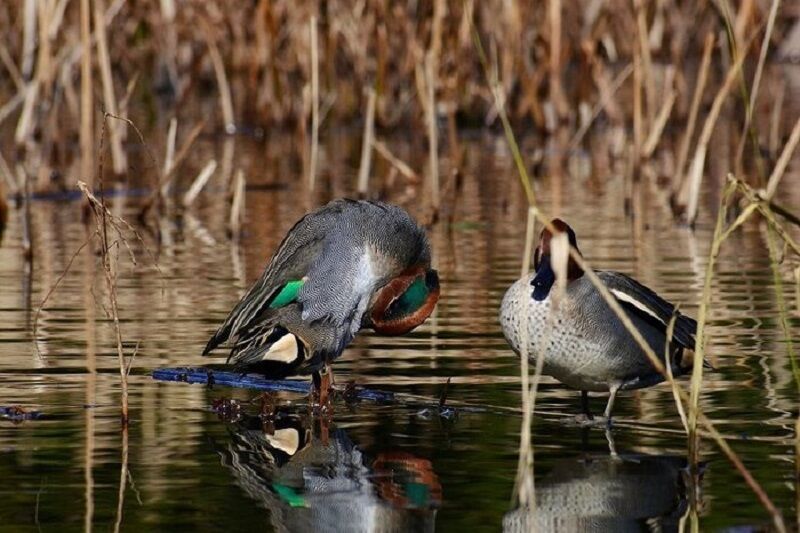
387,466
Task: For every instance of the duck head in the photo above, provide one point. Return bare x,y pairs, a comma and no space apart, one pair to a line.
545,275
405,302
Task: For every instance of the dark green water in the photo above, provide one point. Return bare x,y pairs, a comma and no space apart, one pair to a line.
377,467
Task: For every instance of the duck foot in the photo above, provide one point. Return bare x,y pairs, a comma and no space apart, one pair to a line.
322,393
590,421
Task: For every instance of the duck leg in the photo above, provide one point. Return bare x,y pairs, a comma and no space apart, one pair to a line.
585,405
610,405
323,385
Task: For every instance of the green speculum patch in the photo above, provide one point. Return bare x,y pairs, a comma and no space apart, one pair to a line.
287,294
409,301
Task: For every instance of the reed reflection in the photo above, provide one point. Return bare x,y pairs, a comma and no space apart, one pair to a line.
312,477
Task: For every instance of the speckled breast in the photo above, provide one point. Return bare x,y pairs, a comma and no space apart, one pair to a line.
572,354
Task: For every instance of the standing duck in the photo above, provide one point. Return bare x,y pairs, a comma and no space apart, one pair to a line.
584,344
347,265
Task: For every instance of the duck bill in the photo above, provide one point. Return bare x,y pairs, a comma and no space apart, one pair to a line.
544,279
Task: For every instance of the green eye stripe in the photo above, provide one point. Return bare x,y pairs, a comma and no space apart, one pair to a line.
287,294
410,300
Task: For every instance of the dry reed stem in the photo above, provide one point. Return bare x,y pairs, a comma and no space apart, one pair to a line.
28,37
11,106
237,205
123,478
697,98
225,100
762,58
8,177
395,161
705,303
797,289
775,119
314,156
646,62
11,67
87,107
109,261
783,311
638,127
169,157
199,182
499,104
27,231
433,134
366,144
783,161
695,176
523,487
25,123
118,158
675,392
557,97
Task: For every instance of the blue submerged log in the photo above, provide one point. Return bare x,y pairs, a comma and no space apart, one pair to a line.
210,377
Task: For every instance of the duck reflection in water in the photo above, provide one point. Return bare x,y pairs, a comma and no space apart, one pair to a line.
624,492
316,479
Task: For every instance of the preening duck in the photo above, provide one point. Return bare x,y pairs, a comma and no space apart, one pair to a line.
348,265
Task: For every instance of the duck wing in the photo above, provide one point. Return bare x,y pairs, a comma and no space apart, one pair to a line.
642,302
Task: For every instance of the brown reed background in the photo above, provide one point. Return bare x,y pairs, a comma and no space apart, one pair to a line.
558,66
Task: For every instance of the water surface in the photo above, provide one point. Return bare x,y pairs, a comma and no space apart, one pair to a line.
192,465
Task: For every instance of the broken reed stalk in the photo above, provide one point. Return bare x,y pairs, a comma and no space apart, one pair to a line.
695,176
783,161
401,166
697,98
118,159
762,58
199,182
87,108
237,205
366,144
314,156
